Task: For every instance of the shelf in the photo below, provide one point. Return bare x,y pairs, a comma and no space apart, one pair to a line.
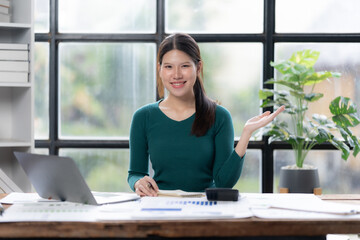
14,25
14,143
16,95
26,85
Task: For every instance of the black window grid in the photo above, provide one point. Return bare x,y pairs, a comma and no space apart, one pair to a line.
268,38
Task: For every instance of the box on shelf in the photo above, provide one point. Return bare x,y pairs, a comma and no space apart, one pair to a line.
14,77
4,17
14,63
4,10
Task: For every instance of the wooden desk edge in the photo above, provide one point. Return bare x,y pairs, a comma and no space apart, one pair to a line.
247,227
179,228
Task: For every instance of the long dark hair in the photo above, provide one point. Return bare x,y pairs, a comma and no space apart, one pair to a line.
204,106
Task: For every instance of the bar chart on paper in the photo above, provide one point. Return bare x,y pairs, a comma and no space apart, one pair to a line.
177,205
176,208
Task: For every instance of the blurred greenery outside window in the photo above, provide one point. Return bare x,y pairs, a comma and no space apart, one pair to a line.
42,16
232,76
102,83
110,16
103,169
321,16
101,86
41,68
214,16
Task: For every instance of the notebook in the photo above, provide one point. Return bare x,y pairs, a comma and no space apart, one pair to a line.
55,177
179,193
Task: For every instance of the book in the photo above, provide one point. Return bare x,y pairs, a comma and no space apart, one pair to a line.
14,77
14,55
14,66
4,10
14,46
4,17
179,193
5,3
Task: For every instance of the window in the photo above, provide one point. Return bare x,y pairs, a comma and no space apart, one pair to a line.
110,16
95,66
101,85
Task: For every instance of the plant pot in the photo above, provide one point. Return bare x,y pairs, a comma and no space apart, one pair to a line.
299,180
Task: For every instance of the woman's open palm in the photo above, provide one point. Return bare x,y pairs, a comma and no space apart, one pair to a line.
262,120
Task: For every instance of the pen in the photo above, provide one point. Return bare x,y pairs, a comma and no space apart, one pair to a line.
1,209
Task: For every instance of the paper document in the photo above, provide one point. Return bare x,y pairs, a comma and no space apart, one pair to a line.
189,208
114,197
16,197
49,211
30,207
298,206
320,207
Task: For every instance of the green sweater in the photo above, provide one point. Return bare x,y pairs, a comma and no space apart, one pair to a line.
181,160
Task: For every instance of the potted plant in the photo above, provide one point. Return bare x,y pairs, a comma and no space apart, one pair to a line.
294,88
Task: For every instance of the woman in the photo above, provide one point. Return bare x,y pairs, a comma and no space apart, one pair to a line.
188,138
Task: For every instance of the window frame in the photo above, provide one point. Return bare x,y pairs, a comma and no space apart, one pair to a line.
268,38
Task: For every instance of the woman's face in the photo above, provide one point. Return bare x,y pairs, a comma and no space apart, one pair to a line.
178,73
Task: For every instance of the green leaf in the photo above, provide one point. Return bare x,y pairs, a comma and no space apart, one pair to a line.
341,146
281,66
344,112
323,135
298,94
277,131
265,93
306,57
316,77
356,145
351,139
285,83
323,120
268,103
312,97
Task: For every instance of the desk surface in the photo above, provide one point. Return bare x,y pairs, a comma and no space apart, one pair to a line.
249,227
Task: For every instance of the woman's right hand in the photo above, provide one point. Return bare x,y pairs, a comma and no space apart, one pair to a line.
146,186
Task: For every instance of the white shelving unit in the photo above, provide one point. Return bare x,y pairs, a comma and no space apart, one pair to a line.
16,99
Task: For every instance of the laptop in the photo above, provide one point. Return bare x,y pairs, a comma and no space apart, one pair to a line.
55,177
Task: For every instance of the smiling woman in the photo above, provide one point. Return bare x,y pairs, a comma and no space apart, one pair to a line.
188,138
90,78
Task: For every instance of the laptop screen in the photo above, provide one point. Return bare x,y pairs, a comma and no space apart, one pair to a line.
55,177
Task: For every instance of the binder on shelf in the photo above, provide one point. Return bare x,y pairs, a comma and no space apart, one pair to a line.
14,46
14,77
15,55
14,66
4,17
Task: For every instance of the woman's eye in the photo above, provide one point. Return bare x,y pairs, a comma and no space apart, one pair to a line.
185,66
168,67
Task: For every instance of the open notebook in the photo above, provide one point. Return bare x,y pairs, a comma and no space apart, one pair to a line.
59,178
